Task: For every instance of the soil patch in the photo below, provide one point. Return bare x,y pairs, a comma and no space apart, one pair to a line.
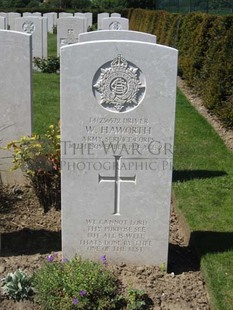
29,236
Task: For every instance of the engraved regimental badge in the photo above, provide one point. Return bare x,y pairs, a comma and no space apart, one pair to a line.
119,86
115,26
28,26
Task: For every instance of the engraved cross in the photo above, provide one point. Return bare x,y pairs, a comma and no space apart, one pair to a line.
117,179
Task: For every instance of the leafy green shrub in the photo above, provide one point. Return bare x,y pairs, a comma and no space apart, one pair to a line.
83,284
205,52
39,158
75,284
17,286
50,65
136,299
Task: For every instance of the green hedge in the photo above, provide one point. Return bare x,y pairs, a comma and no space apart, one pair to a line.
205,44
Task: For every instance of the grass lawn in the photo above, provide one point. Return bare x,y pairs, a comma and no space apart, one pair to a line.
202,183
46,98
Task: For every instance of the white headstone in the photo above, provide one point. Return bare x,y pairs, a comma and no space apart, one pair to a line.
45,36
3,14
36,26
100,17
68,29
52,20
79,14
64,14
3,25
117,115
25,14
89,19
115,23
16,97
38,14
84,20
116,35
115,15
11,19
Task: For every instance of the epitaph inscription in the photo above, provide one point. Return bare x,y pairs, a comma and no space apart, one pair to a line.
121,85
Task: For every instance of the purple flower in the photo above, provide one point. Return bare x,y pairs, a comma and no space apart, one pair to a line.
75,301
82,293
50,258
103,259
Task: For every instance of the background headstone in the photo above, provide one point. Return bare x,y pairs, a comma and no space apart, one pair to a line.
52,21
115,15
16,97
64,14
115,23
3,25
100,17
3,14
118,113
45,36
36,27
89,16
25,14
116,35
68,29
38,14
11,19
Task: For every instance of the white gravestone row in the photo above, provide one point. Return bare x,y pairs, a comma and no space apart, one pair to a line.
68,30
38,28
116,35
117,116
5,15
16,97
115,23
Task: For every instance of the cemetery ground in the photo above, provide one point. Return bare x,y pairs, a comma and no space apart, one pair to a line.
202,191
30,236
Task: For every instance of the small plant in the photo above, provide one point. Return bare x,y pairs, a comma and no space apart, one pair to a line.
39,159
17,286
75,284
83,284
50,65
136,299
